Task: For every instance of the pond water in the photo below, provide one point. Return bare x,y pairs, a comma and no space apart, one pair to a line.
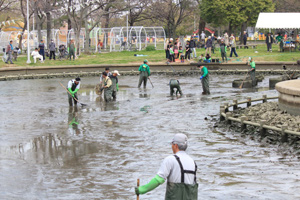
51,151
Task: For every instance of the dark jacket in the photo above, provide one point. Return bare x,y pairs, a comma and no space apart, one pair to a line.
267,39
42,46
192,44
245,37
209,43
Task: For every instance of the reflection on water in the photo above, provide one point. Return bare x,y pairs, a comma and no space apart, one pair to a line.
98,151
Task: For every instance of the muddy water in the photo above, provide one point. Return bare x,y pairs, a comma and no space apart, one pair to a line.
48,151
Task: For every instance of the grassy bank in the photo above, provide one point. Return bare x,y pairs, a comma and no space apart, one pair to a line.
125,57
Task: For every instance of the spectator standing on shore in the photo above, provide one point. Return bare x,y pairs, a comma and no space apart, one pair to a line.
269,41
279,39
202,37
193,47
42,49
99,46
245,39
72,50
175,51
9,51
226,39
187,51
233,46
213,39
168,51
52,50
208,45
223,50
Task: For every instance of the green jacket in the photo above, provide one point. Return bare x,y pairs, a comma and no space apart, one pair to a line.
144,68
225,49
252,64
204,72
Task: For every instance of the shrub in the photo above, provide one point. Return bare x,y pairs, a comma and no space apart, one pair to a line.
150,48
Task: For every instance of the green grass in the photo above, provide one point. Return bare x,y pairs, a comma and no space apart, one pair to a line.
127,57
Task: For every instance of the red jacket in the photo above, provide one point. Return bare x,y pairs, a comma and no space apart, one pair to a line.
8,49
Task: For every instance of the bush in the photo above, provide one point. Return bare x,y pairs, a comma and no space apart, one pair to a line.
150,48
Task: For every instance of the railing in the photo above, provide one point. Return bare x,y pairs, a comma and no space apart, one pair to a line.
226,115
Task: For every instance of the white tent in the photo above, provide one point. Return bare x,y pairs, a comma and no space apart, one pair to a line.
278,21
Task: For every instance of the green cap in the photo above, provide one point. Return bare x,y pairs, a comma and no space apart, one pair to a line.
145,61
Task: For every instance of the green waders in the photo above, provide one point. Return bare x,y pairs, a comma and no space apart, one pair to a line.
205,84
143,78
174,84
182,191
107,92
71,99
252,75
114,88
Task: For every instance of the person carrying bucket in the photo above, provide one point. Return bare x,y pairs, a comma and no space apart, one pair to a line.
204,79
252,71
180,172
144,70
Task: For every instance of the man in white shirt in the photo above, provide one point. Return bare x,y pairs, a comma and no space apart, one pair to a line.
180,172
35,54
202,37
73,87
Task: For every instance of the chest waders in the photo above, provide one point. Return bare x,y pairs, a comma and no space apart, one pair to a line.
114,88
252,75
71,99
205,83
143,78
182,191
174,84
107,92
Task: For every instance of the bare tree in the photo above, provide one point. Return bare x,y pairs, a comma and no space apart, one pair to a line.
171,13
5,5
137,10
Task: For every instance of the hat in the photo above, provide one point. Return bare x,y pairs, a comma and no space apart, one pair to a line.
250,58
171,38
116,72
104,73
106,68
77,79
145,61
180,139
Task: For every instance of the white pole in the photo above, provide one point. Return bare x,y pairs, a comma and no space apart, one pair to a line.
33,22
28,49
127,31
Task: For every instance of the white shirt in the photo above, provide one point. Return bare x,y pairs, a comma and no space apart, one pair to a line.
35,53
71,83
202,35
170,168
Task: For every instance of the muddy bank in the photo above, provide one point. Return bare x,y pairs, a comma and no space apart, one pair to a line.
193,71
273,116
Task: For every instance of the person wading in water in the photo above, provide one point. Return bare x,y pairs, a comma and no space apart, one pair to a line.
144,73
180,172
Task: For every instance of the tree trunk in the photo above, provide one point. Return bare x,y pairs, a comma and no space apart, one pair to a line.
229,29
77,44
49,36
243,28
202,24
69,21
22,34
87,38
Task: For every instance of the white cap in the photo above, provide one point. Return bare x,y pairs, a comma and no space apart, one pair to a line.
116,72
180,139
250,58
